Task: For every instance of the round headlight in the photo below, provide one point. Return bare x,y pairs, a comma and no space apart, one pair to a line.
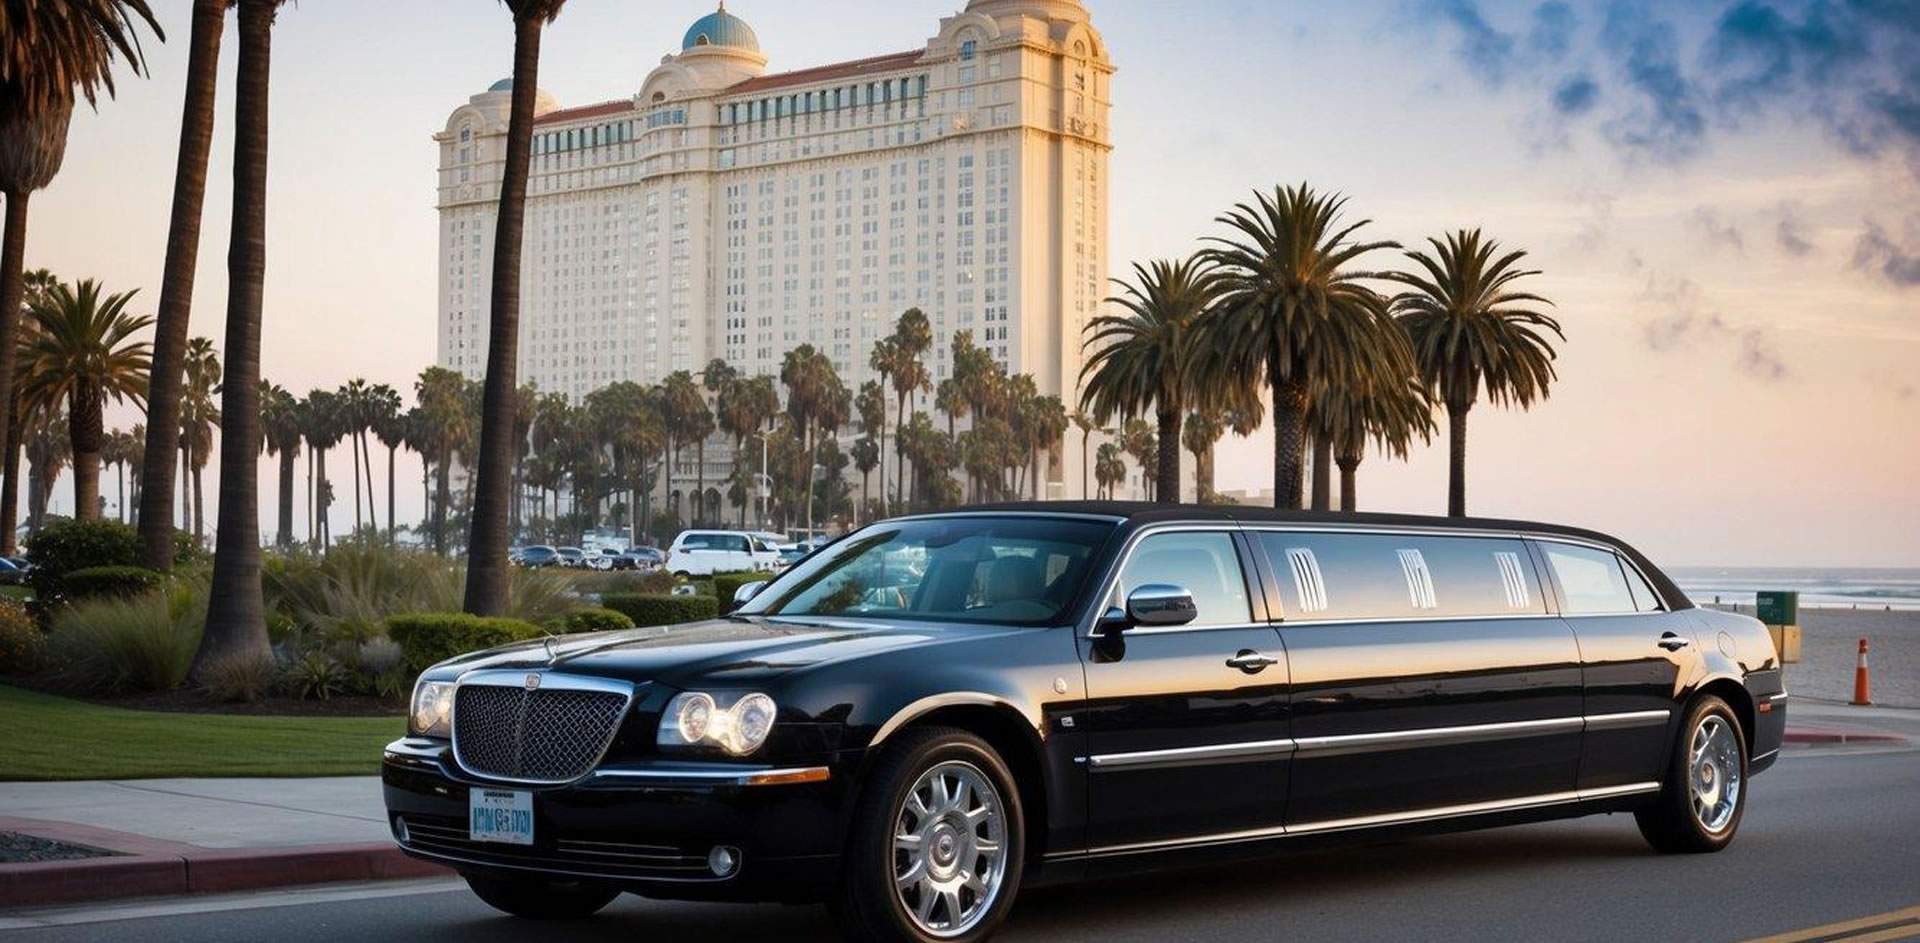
752,721
694,717
432,713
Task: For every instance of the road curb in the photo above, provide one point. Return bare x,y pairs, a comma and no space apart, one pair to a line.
1829,735
191,869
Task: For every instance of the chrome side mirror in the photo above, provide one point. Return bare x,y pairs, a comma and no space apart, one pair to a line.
1160,605
747,591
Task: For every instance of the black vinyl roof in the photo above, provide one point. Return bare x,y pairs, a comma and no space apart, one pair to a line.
1145,512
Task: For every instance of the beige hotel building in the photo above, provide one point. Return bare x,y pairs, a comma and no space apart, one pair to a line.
723,210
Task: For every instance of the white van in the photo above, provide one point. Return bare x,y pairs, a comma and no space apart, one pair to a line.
706,552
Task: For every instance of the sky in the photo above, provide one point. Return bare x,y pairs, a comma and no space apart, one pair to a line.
1723,199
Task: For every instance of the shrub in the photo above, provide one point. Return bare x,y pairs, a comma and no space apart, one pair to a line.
347,595
238,677
430,638
647,609
602,582
65,546
382,666
16,594
590,620
726,584
22,645
314,676
129,645
117,581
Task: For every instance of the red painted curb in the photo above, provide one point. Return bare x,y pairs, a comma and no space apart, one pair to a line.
1840,735
203,870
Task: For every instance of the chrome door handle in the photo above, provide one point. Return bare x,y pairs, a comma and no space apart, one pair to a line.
1672,642
1251,662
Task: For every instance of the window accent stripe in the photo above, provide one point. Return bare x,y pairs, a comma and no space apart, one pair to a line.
1512,578
1307,583
1419,581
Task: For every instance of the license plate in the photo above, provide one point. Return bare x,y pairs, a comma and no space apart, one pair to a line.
500,815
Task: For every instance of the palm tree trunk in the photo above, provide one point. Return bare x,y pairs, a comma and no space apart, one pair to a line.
1322,472
176,286
13,255
120,477
1203,474
199,509
1457,458
899,456
10,486
236,611
353,453
186,482
284,537
393,523
310,492
442,497
1086,438
84,432
1289,442
322,498
488,537
699,480
1349,467
1166,488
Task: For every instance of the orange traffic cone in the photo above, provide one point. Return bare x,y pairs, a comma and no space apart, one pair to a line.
1862,690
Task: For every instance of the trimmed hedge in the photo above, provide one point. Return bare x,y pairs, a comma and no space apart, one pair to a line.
647,609
428,638
590,620
63,547
726,584
120,582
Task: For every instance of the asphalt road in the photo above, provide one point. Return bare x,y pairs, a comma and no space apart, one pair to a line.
1829,836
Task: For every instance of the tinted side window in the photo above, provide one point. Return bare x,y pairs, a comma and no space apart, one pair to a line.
1644,598
1591,580
1391,576
733,542
1204,563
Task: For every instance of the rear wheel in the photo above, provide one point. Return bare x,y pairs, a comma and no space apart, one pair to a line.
937,843
1705,792
541,900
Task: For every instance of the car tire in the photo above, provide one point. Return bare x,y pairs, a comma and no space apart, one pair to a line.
871,907
1705,792
541,900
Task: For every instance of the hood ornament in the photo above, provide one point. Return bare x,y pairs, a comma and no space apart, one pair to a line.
552,656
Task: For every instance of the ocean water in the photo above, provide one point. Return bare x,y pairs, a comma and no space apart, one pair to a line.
1819,587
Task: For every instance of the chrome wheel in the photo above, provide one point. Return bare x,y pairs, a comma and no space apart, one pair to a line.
949,840
1713,773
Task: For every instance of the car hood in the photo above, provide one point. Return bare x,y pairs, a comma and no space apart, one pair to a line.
726,650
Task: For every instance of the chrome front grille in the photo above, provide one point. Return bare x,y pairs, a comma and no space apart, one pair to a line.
553,732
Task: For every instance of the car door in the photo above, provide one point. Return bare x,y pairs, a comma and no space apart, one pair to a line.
1182,743
1635,654
1428,675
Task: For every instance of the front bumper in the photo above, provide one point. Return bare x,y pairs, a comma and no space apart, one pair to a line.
647,828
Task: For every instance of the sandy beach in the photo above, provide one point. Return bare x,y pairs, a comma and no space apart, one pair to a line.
1830,643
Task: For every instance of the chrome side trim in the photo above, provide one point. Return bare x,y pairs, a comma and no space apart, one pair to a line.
547,869
1776,698
1628,719
1374,821
1433,736
1133,632
1185,756
935,702
715,777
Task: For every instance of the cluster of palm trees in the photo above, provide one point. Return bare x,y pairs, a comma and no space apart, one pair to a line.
1281,304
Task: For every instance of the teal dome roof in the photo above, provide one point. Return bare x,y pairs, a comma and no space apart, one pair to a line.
721,28
504,85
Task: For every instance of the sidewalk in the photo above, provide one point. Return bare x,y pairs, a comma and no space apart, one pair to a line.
179,836
176,836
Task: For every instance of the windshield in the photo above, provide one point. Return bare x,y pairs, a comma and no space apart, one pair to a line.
1003,571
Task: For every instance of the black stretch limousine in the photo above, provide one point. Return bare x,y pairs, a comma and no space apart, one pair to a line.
929,714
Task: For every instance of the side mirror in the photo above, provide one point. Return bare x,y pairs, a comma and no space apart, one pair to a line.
747,591
1160,605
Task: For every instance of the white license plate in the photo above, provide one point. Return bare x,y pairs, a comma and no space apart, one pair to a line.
500,815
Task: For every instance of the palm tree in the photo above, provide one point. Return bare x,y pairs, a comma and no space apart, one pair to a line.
1292,312
1147,358
390,427
1046,424
280,423
1137,439
1389,412
354,421
1109,468
1202,429
38,282
48,451
84,355
1087,426
687,421
48,51
866,456
1470,328
116,449
912,335
882,360
493,481
443,426
199,416
813,388
165,388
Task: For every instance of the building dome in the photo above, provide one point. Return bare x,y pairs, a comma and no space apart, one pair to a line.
504,85
721,28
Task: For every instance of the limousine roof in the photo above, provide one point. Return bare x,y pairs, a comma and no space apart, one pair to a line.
1143,512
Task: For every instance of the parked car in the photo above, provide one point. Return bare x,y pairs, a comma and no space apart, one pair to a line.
639,558
538,556
706,552
11,574
573,558
935,711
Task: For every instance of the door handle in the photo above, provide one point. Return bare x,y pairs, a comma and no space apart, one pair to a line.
1251,662
1672,642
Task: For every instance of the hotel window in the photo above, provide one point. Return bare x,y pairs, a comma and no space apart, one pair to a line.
466,134
968,48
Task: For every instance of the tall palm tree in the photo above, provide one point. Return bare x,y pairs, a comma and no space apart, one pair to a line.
1046,424
1148,358
354,420
1292,312
165,389
322,426
1109,468
882,361
442,427
493,480
912,335
688,421
1202,429
744,406
811,381
280,423
115,448
381,407
48,451
84,355
199,416
1470,328
48,52
1387,412
1087,426
1138,440
37,283
390,427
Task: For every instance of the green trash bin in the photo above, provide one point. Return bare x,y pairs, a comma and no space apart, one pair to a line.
1778,606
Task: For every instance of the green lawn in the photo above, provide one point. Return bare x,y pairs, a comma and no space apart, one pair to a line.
47,737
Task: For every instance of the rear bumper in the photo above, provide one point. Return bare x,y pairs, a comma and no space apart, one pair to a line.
649,833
